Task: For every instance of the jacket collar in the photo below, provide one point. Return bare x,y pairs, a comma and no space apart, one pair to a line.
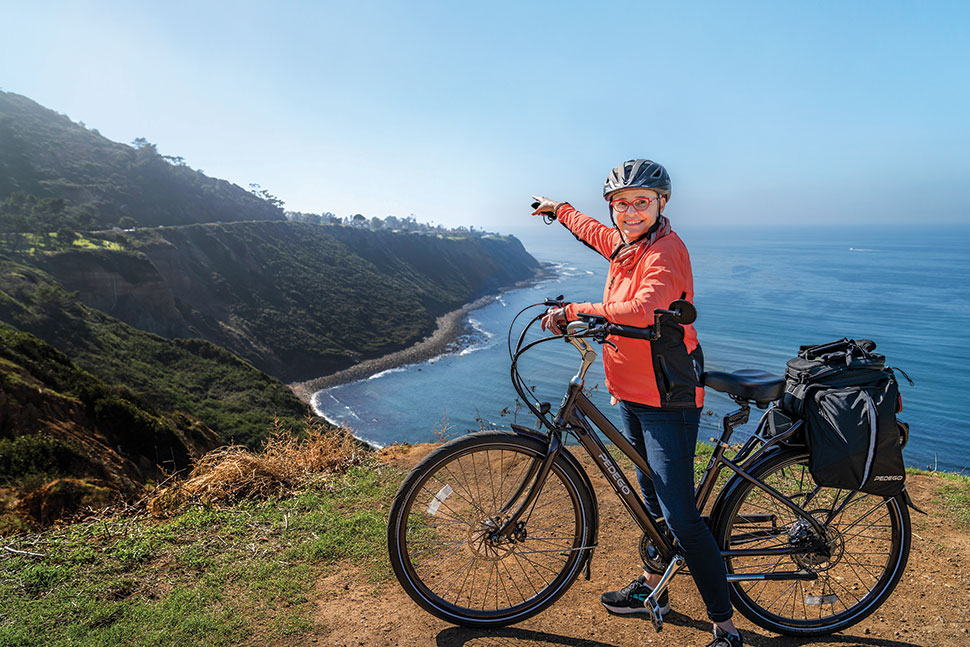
626,255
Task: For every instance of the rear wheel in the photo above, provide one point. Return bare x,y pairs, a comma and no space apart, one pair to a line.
441,531
855,565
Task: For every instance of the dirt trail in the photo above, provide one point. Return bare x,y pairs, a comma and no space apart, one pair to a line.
930,607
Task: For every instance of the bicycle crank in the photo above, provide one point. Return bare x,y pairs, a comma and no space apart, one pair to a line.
652,559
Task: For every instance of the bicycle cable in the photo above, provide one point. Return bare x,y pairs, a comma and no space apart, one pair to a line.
512,325
519,383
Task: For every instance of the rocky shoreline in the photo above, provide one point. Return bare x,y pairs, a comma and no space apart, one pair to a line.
448,328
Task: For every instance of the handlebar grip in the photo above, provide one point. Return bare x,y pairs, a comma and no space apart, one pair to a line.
630,331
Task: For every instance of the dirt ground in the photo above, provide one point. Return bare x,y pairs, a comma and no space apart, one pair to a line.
930,607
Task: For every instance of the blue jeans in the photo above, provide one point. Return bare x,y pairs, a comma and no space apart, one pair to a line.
667,439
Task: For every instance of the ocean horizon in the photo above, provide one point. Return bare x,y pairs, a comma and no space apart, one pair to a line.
759,295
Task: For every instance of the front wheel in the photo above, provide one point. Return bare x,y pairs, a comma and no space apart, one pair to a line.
854,567
441,531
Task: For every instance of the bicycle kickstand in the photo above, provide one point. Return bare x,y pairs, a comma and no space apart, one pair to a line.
656,617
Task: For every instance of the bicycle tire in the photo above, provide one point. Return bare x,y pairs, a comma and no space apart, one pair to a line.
444,507
867,542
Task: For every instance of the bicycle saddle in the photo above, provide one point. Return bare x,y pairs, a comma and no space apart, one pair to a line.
751,384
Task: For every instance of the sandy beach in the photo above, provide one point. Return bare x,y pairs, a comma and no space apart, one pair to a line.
448,328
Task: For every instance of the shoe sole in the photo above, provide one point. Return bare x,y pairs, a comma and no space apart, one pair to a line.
635,610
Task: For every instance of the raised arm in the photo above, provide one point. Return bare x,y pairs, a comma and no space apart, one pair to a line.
588,230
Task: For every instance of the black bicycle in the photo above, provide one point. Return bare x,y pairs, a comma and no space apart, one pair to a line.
493,527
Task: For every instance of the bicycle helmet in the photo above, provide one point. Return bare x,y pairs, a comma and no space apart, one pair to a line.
638,174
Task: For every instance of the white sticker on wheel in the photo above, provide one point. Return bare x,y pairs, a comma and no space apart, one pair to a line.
819,600
439,498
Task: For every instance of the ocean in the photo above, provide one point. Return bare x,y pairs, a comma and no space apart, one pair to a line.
759,296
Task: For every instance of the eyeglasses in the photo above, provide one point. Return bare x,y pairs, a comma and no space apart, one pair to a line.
640,204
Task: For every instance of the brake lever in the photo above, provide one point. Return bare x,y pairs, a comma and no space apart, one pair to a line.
600,336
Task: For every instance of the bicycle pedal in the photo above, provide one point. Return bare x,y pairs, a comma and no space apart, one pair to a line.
656,617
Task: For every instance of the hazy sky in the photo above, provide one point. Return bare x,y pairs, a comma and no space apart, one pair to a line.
780,112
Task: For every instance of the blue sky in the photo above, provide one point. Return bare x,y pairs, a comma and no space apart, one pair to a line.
778,112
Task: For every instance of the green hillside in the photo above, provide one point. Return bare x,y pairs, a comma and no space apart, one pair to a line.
296,300
56,174
193,376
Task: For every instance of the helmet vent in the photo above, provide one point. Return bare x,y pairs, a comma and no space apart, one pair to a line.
639,174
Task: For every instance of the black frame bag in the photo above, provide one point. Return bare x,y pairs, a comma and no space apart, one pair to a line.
849,400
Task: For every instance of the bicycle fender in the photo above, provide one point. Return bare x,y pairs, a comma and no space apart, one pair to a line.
571,459
909,501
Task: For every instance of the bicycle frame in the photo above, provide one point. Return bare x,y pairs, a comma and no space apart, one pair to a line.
578,416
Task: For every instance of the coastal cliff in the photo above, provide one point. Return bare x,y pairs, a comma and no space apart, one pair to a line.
166,307
296,300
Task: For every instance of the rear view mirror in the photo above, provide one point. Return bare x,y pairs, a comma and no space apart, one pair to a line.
683,311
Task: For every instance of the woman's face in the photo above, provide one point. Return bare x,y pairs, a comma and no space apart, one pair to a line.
633,223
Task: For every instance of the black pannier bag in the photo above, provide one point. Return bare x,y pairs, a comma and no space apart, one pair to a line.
849,400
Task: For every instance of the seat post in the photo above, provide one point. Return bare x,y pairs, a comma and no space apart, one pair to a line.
735,418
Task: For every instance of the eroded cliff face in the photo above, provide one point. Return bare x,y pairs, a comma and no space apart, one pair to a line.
296,300
127,286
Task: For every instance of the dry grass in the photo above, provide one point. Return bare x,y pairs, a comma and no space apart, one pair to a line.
228,474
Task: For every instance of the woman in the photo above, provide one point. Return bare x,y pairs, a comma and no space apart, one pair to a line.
657,384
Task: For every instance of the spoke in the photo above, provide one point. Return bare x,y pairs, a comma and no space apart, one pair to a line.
491,482
514,583
456,492
429,548
547,503
528,578
536,565
538,551
465,580
867,528
471,498
850,561
457,517
501,480
863,517
478,483
439,520
469,563
764,583
844,588
801,589
549,540
441,560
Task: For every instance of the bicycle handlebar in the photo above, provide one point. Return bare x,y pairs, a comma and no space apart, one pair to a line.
632,332
598,328
586,326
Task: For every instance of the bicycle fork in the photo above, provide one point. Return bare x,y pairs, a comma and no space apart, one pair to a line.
536,476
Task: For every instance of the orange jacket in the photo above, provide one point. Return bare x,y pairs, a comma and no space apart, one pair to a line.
665,373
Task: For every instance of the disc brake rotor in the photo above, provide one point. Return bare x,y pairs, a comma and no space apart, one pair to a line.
821,554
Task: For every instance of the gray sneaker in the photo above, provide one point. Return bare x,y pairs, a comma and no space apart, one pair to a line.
632,598
725,639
